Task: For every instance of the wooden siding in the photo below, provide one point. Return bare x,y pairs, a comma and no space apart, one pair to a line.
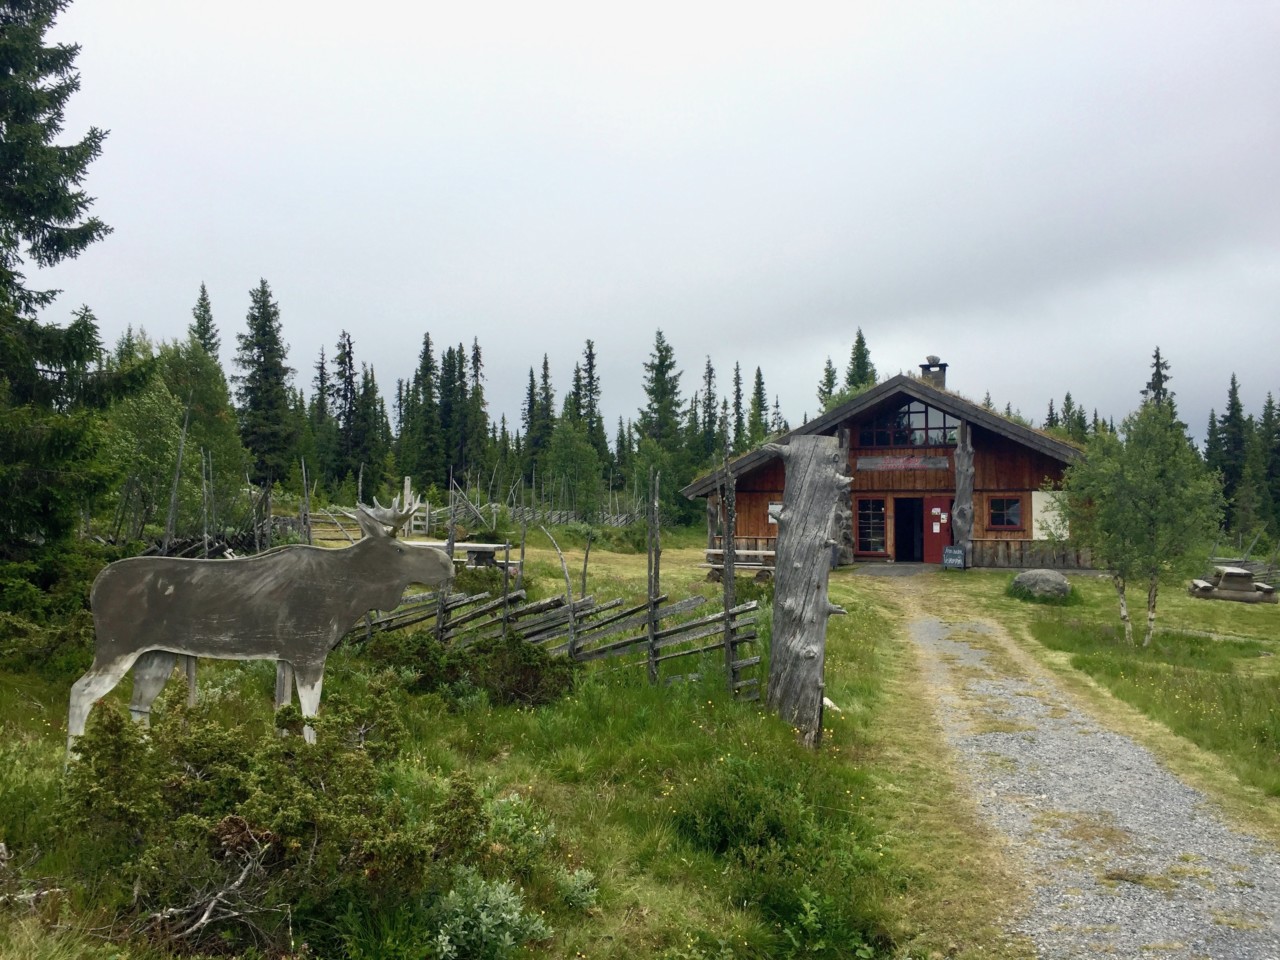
1002,464
1029,553
1002,468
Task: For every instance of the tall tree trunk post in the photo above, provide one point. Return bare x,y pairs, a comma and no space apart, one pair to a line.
1118,582
843,533
1153,587
814,484
962,508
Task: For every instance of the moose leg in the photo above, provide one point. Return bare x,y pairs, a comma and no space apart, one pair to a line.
100,680
284,683
310,678
150,673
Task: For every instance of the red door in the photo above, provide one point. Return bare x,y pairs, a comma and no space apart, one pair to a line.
937,527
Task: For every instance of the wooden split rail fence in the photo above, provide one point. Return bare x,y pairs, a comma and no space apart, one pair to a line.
586,630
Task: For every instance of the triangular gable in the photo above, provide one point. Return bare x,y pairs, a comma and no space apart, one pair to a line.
893,390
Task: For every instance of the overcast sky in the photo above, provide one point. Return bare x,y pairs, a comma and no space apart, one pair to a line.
1038,193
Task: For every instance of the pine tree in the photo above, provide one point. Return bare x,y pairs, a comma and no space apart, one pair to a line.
42,207
476,445
861,372
986,401
1156,389
1051,418
711,443
202,326
739,415
1269,438
424,430
345,392
324,428
660,418
52,388
453,410
827,385
539,419
757,418
591,403
1232,430
777,423
262,390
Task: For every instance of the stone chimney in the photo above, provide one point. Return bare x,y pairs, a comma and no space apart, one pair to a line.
934,372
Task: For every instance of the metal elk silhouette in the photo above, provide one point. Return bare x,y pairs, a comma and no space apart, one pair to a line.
290,604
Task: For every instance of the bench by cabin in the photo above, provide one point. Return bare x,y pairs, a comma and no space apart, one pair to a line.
902,438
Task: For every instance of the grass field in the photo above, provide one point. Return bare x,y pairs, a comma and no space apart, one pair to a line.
704,829
708,831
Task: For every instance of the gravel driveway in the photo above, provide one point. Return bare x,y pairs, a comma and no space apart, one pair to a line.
1123,859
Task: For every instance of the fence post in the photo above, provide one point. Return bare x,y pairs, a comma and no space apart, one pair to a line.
655,576
729,499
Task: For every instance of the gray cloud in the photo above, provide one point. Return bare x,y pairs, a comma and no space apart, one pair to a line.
1040,194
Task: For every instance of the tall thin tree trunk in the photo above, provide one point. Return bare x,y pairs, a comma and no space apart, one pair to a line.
1153,586
1124,608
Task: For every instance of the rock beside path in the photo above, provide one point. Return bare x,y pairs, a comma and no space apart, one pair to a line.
1043,584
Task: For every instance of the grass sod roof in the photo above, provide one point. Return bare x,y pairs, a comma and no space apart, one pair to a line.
903,385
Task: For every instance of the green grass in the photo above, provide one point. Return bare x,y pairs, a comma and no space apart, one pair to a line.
627,775
1220,694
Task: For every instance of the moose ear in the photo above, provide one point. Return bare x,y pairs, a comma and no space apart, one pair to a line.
370,524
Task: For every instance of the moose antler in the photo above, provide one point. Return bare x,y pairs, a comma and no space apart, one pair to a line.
395,515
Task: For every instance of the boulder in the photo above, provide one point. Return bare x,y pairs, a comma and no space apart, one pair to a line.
1042,583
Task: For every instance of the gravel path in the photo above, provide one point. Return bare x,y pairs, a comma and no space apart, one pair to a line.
1124,859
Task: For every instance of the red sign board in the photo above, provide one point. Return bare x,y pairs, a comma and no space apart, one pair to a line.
908,462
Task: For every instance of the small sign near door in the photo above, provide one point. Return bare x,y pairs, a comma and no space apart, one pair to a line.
953,558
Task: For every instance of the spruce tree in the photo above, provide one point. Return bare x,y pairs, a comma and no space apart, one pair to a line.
591,403
861,372
1232,430
425,434
1051,418
345,392
52,388
1156,389
262,390
827,385
476,445
202,326
711,442
739,414
660,418
324,428
758,417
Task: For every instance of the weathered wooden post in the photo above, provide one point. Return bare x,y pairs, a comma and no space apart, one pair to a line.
814,484
962,508
729,499
655,574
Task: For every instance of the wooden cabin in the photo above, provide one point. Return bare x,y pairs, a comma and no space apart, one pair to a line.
903,437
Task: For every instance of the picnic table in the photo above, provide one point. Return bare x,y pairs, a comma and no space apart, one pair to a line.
743,559
479,554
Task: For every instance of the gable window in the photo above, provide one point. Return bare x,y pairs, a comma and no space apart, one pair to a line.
1004,513
913,424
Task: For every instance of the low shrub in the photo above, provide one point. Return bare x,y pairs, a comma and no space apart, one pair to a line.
506,671
207,836
804,875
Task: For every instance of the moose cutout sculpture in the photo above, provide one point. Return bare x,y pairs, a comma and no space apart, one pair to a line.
290,604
